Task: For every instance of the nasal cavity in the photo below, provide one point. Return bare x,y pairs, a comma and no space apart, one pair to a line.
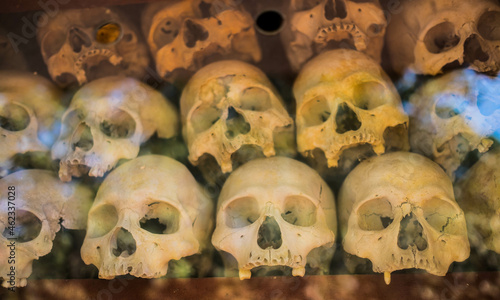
411,234
124,243
78,39
82,138
235,124
473,50
346,119
193,33
335,9
269,234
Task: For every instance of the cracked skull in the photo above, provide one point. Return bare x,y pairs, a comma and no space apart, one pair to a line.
430,36
453,115
147,212
317,25
398,210
276,212
29,112
107,120
81,45
347,108
183,36
42,204
228,105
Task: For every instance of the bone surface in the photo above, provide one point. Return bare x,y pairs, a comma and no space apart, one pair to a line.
429,36
147,212
345,101
107,120
398,210
454,114
316,26
276,212
81,45
41,202
183,36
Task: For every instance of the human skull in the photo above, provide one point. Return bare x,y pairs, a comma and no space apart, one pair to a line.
29,112
10,57
454,114
345,102
429,36
276,212
32,205
317,25
107,120
147,212
80,45
478,193
228,105
398,210
186,35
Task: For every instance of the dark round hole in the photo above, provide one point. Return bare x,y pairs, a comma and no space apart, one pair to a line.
269,22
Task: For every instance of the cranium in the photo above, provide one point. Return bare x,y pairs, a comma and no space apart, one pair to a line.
398,210
29,113
317,25
429,36
228,105
32,206
107,120
186,35
80,45
345,102
147,212
276,212
453,115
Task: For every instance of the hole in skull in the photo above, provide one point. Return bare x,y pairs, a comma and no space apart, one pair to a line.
299,211
269,22
166,32
443,216
235,124
101,220
161,218
450,105
27,227
488,102
473,50
123,243
193,33
369,95
82,138
205,9
411,233
78,39
396,137
335,9
204,117
375,215
241,212
255,99
441,38
269,235
118,125
346,119
108,33
66,79
52,42
13,117
489,25
315,112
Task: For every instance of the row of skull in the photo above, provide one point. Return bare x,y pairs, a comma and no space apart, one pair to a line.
427,37
398,210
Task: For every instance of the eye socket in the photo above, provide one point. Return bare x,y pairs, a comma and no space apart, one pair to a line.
375,215
489,25
161,218
204,117
108,33
101,220
450,105
166,32
118,125
369,95
70,122
27,227
442,216
255,99
13,117
441,38
316,111
299,211
242,212
52,42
